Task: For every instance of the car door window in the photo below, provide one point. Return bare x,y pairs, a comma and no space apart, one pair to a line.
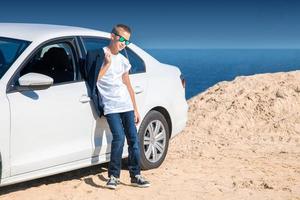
95,43
137,64
56,60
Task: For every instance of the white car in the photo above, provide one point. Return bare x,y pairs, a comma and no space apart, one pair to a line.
48,121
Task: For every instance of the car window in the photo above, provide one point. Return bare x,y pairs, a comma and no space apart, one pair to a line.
95,43
10,49
54,60
137,64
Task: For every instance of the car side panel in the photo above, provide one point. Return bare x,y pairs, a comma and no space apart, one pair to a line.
49,127
166,91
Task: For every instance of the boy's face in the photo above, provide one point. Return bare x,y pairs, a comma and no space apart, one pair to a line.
121,34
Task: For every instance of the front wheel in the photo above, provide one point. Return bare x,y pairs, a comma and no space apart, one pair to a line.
154,140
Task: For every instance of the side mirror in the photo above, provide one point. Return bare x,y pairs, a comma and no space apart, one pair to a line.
35,81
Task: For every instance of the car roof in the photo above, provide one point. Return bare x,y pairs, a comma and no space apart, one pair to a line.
37,32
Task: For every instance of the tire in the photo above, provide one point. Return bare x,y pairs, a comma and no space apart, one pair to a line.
153,150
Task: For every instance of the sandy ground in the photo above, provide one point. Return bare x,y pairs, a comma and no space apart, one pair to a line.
242,141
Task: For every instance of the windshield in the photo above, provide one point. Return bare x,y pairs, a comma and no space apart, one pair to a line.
10,50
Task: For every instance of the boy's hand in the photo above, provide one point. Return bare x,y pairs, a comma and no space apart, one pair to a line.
136,117
105,65
107,58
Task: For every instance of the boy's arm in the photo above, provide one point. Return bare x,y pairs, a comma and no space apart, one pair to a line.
127,82
103,70
105,65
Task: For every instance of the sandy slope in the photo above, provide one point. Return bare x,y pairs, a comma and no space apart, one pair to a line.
242,141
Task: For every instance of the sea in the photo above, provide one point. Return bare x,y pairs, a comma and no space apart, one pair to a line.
203,68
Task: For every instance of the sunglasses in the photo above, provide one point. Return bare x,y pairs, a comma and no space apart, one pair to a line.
122,39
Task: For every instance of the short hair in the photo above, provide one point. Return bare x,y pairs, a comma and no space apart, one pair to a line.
123,26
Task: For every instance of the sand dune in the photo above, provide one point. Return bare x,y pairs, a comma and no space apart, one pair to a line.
242,141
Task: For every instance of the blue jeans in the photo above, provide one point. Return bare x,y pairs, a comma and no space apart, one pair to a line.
121,125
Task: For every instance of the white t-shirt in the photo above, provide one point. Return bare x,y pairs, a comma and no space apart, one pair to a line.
114,93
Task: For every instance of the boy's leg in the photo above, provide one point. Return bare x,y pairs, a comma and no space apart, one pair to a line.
133,143
116,127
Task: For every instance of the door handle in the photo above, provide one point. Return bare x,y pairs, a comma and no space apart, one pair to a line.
138,89
85,99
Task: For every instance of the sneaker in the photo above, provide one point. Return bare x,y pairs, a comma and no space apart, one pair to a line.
112,182
139,181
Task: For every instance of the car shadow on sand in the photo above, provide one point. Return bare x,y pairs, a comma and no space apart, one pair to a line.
83,175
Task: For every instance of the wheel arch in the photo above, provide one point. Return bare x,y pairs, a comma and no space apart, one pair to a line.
166,114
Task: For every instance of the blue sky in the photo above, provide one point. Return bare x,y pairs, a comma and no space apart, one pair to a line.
170,24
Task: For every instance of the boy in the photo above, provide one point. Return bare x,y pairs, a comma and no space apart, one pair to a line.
120,108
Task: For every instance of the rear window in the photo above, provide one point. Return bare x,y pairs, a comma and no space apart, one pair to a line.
10,50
